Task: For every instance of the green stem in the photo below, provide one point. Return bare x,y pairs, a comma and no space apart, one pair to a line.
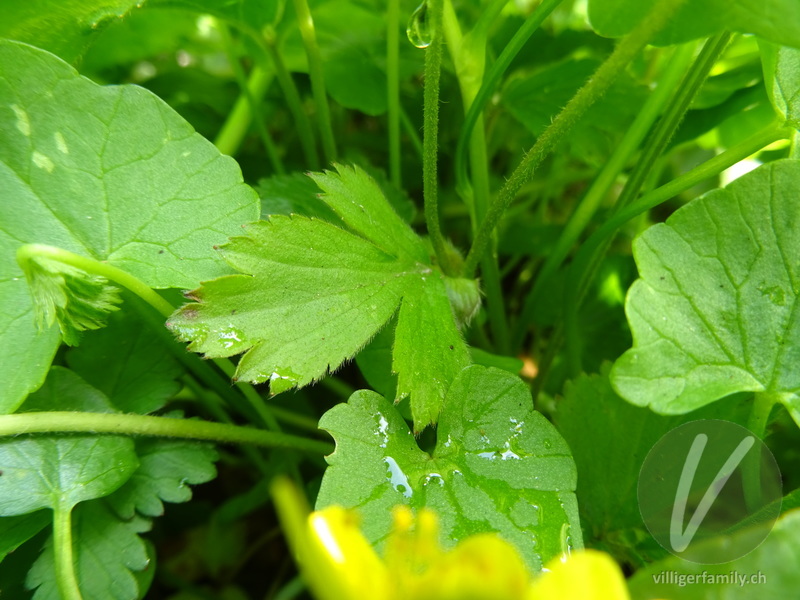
762,407
582,216
757,423
469,57
430,137
259,79
290,92
474,114
597,85
411,131
90,265
589,256
237,123
253,397
307,32
393,89
126,424
64,559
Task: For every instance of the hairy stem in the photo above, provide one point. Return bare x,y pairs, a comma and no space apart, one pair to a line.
582,216
309,35
127,424
430,137
594,89
393,89
63,555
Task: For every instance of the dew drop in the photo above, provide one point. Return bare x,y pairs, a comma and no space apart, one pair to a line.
419,27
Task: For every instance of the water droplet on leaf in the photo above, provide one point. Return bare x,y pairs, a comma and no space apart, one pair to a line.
419,29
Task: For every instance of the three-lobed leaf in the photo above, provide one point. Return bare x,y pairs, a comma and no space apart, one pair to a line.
310,295
715,310
498,466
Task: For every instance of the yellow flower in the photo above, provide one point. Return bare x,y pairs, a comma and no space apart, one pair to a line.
338,563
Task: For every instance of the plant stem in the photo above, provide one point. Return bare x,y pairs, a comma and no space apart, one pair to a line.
757,423
127,424
238,120
469,56
597,85
295,104
259,81
411,131
762,407
474,114
430,137
91,265
588,206
393,89
64,559
307,32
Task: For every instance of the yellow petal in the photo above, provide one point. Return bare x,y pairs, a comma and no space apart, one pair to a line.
585,575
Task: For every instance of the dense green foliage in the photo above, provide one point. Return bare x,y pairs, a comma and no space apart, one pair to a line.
424,246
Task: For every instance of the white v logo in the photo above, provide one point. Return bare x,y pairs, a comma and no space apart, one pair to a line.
678,538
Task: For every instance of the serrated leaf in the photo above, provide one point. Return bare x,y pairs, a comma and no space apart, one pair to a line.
499,466
772,566
313,294
702,18
128,363
107,553
782,78
165,469
294,194
715,310
107,172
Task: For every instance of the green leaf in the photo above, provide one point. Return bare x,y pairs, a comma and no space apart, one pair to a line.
312,295
128,363
294,194
773,564
15,531
249,15
499,466
107,172
165,470
702,18
715,310
50,472
64,27
782,78
610,439
107,554
65,390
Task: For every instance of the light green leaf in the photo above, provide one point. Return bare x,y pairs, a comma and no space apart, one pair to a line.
128,363
715,310
499,466
313,294
774,20
773,566
165,470
107,172
782,78
107,553
64,27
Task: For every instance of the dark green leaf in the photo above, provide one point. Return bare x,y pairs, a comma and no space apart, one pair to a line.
165,470
294,194
312,295
498,466
15,531
128,364
107,172
715,311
